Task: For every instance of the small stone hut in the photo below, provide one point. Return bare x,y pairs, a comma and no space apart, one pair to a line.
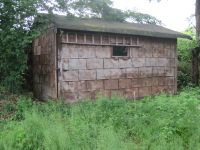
81,58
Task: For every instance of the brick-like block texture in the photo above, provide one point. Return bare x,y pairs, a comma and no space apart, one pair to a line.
87,75
89,70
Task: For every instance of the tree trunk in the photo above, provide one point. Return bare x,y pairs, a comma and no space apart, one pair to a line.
196,51
195,66
197,14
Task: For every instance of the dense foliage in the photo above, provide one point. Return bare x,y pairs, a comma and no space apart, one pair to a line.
161,122
15,22
184,49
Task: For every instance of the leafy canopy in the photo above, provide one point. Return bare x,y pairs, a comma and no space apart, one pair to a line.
17,30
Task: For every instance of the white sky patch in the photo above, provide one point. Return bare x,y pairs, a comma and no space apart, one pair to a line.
174,14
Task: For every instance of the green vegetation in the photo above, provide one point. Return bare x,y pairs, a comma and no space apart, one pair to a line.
161,122
185,48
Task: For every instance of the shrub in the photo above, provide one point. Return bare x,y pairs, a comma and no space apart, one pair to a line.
184,49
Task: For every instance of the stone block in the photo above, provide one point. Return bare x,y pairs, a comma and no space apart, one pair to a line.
162,81
84,95
159,71
146,82
111,63
170,72
155,52
69,51
119,93
131,93
149,48
94,95
70,76
144,91
132,72
70,97
86,52
125,63
103,92
172,62
158,49
138,62
77,64
162,89
170,80
69,87
141,52
145,72
142,82
94,63
151,62
42,59
87,74
173,45
82,86
163,62
115,73
149,52
136,83
38,51
173,53
155,81
111,84
134,52
65,64
103,52
103,74
125,83
95,85
168,52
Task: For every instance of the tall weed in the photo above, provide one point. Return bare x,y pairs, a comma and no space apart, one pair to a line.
161,122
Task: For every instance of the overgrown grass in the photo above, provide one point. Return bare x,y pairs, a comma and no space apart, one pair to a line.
161,122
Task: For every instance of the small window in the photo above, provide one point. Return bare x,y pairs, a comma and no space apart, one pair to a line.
120,51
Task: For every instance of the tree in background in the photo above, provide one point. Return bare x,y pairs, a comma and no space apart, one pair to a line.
15,20
184,47
17,31
196,50
103,9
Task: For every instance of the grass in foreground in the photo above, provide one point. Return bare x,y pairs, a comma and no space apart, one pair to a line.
161,122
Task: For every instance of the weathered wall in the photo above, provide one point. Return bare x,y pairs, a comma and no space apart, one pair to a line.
44,66
89,69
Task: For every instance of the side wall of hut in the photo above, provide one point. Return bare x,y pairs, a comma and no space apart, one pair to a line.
88,67
44,65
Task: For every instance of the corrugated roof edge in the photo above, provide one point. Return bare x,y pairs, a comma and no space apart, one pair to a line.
180,35
99,25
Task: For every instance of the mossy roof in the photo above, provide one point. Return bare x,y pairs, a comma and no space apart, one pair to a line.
98,25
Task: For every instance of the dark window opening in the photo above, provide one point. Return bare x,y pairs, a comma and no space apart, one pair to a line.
120,51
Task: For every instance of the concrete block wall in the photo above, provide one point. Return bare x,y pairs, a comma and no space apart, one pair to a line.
44,66
89,70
